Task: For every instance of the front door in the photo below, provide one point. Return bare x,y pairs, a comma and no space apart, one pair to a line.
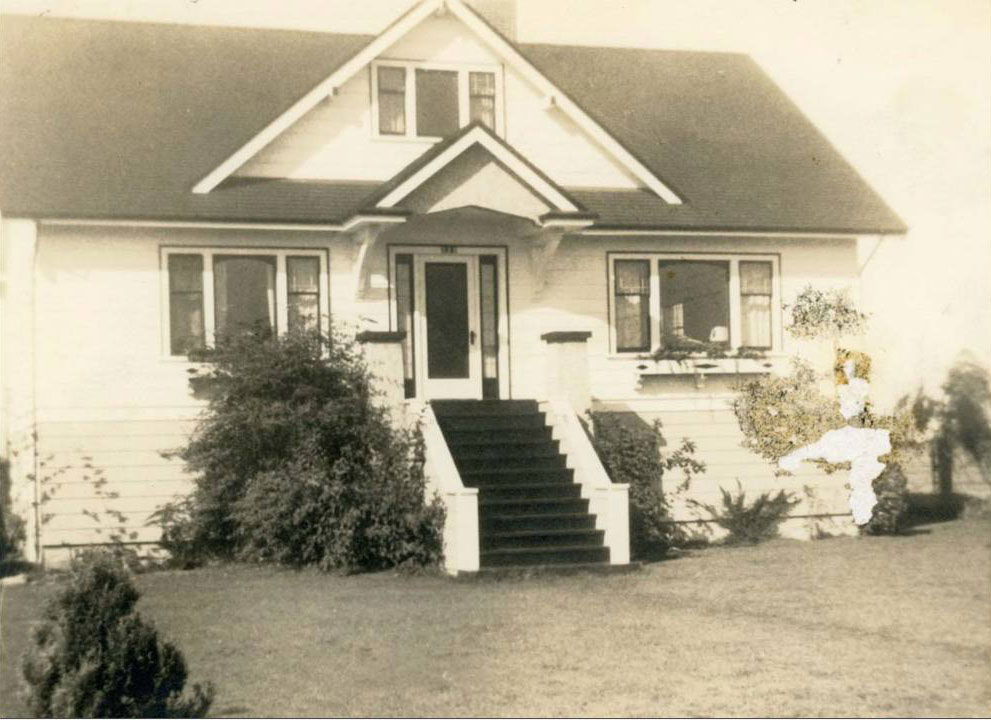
448,326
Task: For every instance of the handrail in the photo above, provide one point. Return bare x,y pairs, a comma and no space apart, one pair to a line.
461,547
608,501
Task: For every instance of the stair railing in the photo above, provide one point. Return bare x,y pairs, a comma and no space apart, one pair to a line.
461,551
609,501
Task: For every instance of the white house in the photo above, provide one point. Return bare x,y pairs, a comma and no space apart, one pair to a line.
495,219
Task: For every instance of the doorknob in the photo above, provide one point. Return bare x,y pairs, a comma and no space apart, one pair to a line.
471,337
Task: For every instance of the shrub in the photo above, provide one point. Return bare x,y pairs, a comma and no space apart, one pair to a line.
630,451
750,524
94,656
12,530
296,464
818,314
781,414
890,513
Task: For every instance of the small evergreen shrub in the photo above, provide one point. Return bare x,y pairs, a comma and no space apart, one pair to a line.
891,511
630,451
295,464
94,656
753,523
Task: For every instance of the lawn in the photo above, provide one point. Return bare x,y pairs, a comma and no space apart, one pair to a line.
853,626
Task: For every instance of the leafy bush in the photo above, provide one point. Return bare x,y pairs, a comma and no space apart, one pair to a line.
781,414
817,314
630,451
94,656
296,464
12,529
750,524
778,415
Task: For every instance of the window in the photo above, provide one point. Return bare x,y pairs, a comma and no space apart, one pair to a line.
481,98
186,302
632,308
303,275
428,100
392,100
244,293
694,300
436,103
209,292
404,319
660,301
755,304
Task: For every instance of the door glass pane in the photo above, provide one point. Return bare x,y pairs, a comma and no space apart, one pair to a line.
436,103
244,293
446,289
695,300
489,304
185,303
404,318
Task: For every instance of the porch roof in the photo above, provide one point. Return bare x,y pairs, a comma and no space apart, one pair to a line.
124,118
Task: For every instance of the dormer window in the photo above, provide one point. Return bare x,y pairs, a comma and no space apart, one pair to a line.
431,101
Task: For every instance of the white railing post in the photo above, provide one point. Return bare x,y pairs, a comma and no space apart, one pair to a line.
608,501
461,547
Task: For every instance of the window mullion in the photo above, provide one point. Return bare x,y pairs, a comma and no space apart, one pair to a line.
655,305
735,313
209,319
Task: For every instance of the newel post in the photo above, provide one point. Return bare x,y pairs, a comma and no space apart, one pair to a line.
384,355
566,368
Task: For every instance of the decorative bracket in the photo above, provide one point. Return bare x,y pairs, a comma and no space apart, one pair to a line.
543,249
364,239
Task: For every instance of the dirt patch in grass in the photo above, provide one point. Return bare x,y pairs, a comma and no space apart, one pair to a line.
853,626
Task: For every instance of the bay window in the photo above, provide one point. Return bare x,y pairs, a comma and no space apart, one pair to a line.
680,301
209,292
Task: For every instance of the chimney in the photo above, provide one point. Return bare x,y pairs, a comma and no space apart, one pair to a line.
501,14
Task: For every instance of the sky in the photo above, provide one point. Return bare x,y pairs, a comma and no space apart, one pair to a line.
901,87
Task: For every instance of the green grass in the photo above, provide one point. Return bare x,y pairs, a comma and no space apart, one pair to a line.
853,626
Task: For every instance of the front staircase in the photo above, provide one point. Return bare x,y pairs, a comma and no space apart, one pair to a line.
530,509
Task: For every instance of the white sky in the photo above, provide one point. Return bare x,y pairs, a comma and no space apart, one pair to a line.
901,87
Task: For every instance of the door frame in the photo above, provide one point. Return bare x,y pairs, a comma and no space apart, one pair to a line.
501,253
447,388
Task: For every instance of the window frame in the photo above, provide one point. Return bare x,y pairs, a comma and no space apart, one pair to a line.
281,286
735,303
464,112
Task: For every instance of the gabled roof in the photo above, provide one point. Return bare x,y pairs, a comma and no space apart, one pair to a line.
102,119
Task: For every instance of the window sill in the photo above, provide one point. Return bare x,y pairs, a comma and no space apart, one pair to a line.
408,139
644,365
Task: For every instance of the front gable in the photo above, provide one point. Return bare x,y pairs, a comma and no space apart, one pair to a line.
334,134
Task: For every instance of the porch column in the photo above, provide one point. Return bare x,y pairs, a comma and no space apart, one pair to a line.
384,355
566,368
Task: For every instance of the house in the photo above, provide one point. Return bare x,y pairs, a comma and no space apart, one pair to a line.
516,223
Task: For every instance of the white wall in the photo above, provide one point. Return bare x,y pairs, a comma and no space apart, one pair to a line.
109,400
